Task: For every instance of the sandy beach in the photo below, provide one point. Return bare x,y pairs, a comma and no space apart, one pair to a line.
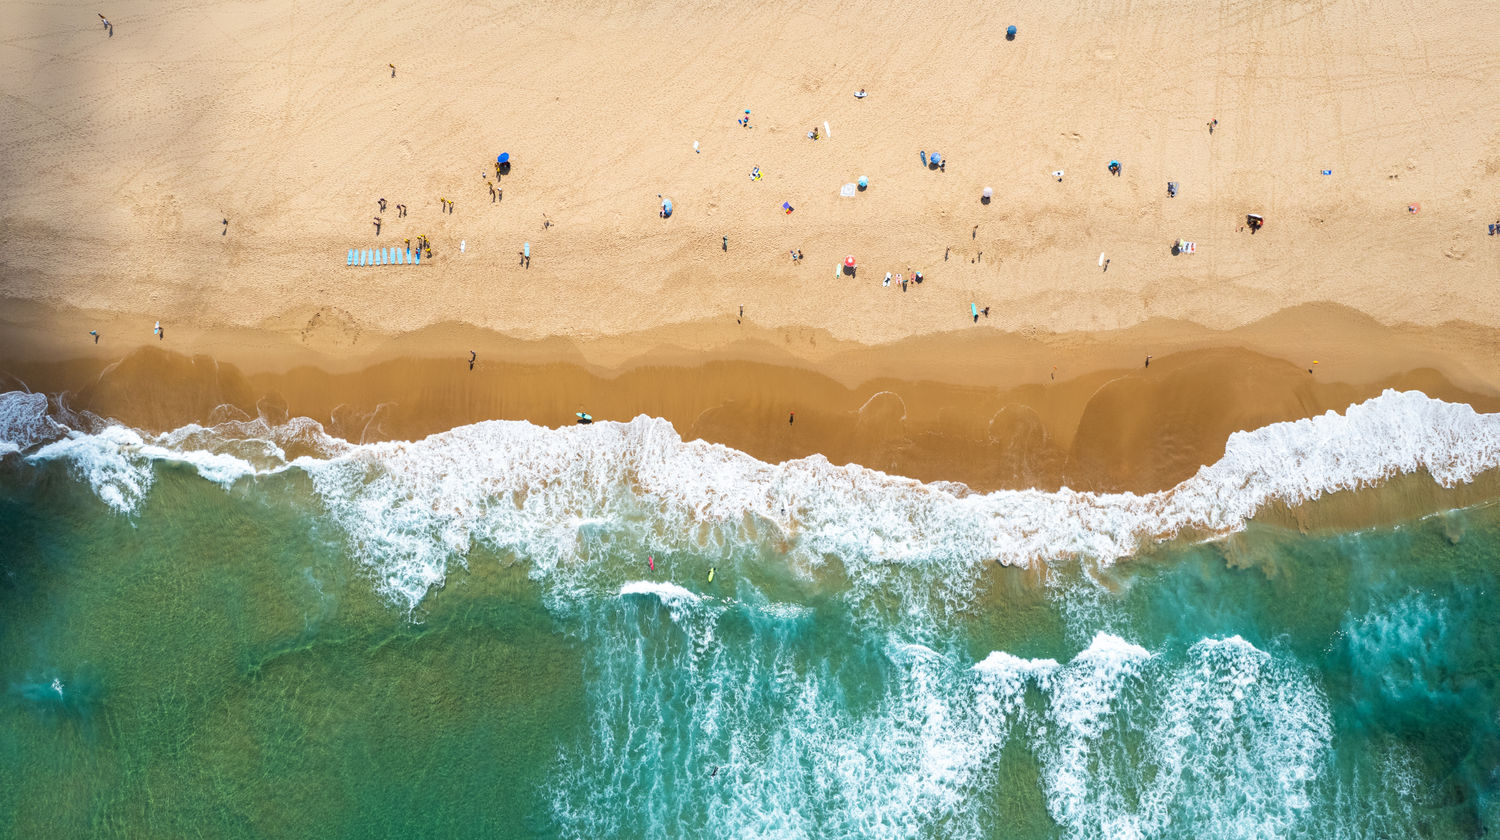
127,149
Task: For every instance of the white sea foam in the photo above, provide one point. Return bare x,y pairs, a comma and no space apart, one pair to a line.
25,422
760,737
1227,743
557,496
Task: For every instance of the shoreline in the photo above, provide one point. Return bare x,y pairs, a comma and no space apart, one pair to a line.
978,408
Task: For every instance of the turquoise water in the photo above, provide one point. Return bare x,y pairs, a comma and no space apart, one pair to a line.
226,659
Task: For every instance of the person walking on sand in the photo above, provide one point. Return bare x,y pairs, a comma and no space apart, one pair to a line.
95,334
381,202
741,317
472,357
377,225
393,71
1148,360
225,232
1212,124
791,418
160,333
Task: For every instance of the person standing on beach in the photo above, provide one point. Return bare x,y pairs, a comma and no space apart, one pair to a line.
95,334
472,357
377,225
1212,124
225,232
393,75
791,418
381,202
741,317
160,333
1148,361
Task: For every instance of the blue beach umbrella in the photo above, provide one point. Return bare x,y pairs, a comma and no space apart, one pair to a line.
503,158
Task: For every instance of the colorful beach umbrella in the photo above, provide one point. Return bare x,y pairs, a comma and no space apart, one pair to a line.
849,261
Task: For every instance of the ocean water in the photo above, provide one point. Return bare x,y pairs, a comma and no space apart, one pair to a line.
254,631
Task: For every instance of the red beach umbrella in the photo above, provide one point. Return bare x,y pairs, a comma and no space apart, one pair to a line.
849,261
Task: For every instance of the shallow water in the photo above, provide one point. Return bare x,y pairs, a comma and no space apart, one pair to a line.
228,658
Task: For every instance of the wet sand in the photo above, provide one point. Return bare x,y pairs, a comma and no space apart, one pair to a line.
982,407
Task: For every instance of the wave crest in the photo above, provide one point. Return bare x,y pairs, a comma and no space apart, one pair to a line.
562,497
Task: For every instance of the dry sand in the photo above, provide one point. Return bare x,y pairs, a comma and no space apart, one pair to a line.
122,154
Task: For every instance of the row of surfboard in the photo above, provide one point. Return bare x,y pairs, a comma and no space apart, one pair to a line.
384,256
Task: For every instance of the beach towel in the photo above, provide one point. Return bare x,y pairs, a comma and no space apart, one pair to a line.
974,310
887,279
400,258
369,257
416,257
1189,247
1328,172
351,257
526,250
848,190
923,153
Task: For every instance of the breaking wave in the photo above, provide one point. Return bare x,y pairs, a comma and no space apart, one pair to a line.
566,498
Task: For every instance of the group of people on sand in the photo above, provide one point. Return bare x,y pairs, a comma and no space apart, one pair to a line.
424,247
